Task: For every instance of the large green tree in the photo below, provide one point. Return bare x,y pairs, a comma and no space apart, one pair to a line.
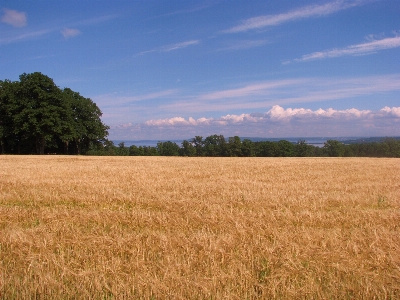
37,116
83,126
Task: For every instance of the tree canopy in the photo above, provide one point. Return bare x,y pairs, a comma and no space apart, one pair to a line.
36,116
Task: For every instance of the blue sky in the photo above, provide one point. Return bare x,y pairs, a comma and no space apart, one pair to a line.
177,69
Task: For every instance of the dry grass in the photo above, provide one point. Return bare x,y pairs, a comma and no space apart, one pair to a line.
199,228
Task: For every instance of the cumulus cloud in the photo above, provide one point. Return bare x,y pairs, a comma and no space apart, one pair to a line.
359,49
394,111
293,15
276,113
168,122
70,32
14,18
179,121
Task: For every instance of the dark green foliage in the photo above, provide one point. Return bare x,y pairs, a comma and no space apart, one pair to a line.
168,149
36,116
187,149
136,151
198,144
248,148
334,148
122,150
234,147
285,149
215,145
267,149
301,149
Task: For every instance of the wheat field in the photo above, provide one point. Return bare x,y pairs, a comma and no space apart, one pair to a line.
75,227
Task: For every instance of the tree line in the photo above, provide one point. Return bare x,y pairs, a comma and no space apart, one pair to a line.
219,146
36,116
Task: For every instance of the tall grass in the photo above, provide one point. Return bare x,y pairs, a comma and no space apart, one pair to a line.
199,228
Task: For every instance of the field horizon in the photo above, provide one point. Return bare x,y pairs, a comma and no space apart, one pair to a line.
199,228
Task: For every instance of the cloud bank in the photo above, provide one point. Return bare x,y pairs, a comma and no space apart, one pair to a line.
276,122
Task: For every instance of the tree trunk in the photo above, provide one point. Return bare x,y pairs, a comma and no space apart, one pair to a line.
78,146
40,144
66,147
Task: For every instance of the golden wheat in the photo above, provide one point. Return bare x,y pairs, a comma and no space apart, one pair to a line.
199,228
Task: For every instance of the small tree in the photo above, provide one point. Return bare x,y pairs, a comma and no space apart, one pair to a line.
198,144
187,149
215,145
247,148
135,151
302,149
285,148
234,146
168,148
334,148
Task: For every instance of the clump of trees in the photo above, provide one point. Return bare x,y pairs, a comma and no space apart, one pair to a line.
36,116
218,146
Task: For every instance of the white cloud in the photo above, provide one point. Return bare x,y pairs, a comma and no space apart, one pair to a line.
276,122
179,45
14,18
279,113
252,89
276,113
167,122
70,32
178,121
359,49
394,111
293,15
171,47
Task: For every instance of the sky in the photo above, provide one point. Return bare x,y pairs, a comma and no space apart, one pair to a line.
176,69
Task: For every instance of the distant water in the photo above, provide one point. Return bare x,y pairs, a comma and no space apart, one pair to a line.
315,141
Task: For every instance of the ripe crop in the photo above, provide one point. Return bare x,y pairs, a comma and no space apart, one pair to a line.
199,228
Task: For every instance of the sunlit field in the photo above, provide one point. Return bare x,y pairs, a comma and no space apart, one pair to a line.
199,228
